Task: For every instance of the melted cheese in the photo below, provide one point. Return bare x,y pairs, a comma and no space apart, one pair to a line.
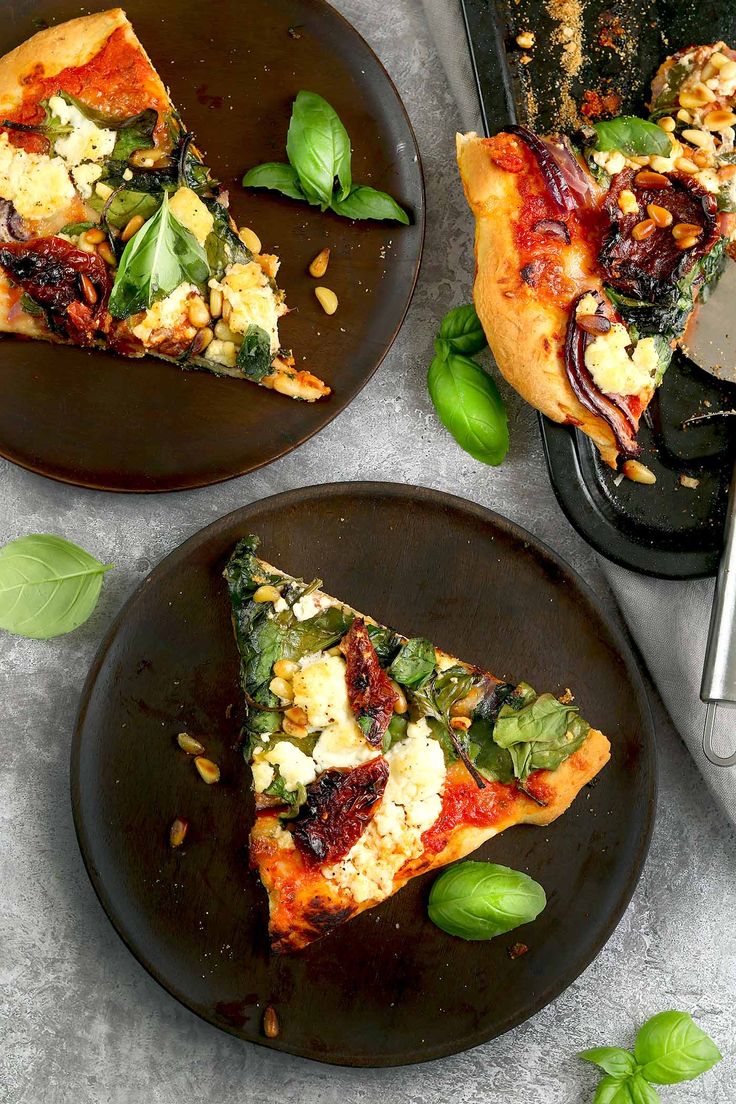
410,805
262,774
607,358
86,141
38,186
252,300
188,208
321,691
167,318
342,745
84,177
294,766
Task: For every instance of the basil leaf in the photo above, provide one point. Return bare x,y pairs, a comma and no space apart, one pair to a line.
614,1060
277,177
156,260
367,203
641,1091
48,586
634,1090
318,147
477,900
469,406
254,355
462,330
493,762
414,663
632,136
670,1047
223,246
385,641
73,228
541,734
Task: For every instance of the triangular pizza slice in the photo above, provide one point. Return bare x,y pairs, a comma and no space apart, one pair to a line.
113,231
375,757
593,250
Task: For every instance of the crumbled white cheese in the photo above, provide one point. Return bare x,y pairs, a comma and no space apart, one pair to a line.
84,177
614,371
342,745
280,605
294,766
252,300
188,208
38,186
167,319
262,774
224,353
410,805
86,141
312,604
321,691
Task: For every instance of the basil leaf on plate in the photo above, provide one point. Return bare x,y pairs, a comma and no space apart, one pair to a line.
462,330
364,202
254,354
156,260
277,177
414,663
632,136
614,1060
670,1047
469,405
48,586
318,147
477,900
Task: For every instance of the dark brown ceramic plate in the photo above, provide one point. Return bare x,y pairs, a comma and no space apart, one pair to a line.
388,988
100,421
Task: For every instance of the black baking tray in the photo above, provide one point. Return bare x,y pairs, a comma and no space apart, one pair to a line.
586,49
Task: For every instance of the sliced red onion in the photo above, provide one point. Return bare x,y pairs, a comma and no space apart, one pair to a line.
11,224
613,412
577,178
554,227
554,178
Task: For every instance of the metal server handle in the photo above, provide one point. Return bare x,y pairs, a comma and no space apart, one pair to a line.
719,671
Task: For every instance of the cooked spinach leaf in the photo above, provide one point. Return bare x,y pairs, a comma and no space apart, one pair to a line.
254,354
385,641
223,246
540,734
396,731
414,663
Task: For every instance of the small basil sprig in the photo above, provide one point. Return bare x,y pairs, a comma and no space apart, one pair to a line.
477,900
669,1048
156,260
48,586
319,170
632,136
468,404
461,328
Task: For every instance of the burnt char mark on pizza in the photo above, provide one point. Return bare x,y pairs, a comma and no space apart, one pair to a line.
649,268
55,274
338,808
319,917
370,692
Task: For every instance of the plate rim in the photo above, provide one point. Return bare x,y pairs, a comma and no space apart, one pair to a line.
336,407
627,653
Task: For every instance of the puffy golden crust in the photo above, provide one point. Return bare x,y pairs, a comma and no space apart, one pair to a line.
526,337
57,48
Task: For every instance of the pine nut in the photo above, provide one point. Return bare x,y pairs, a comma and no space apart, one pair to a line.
227,309
224,333
593,323
296,730
282,689
697,138
718,60
88,289
95,236
703,158
687,242
150,158
702,89
326,299
644,229
686,230
400,703
270,1023
654,180
684,164
460,724
627,202
728,71
85,246
202,340
178,831
132,227
318,267
691,99
197,313
250,239
661,164
525,40
684,116
285,668
719,120
266,593
215,302
209,772
104,251
188,744
659,215
296,715
667,123
638,473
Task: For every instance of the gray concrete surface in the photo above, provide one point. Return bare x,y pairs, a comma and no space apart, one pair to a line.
80,1021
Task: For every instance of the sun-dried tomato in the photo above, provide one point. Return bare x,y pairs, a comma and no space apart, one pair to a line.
506,152
50,271
338,808
370,692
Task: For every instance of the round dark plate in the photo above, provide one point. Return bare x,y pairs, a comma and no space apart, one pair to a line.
388,988
100,421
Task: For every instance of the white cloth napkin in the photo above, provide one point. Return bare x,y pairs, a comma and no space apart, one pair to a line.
668,620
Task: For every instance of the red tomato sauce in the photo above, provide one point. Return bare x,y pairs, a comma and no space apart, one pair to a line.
463,803
118,80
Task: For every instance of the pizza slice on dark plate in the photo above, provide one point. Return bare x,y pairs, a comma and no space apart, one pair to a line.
594,251
113,231
376,758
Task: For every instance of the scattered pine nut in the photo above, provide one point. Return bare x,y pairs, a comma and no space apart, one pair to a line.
688,481
202,339
88,289
198,314
299,731
646,179
667,123
327,299
95,236
215,302
209,772
719,119
525,39
644,229
178,831
250,239
188,744
281,688
285,668
638,473
659,215
132,227
270,1023
104,251
266,593
318,267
